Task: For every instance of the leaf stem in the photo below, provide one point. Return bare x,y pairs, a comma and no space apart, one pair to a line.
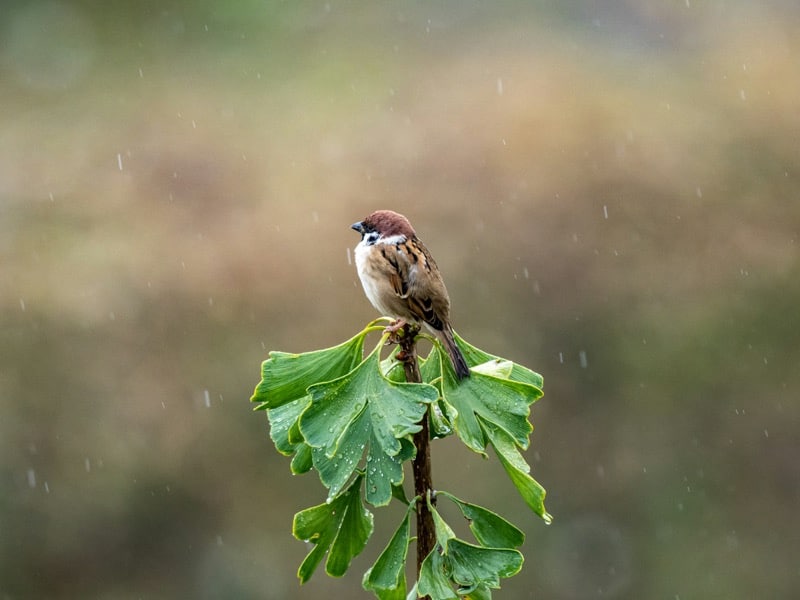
421,466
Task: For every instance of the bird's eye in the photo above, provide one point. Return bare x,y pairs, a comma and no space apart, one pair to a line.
371,237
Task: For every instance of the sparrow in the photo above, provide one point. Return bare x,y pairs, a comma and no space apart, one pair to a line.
401,279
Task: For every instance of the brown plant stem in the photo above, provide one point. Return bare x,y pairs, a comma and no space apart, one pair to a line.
421,466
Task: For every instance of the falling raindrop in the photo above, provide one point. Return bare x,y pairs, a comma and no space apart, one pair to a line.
31,478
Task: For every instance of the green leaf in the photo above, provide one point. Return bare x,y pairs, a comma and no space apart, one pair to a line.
393,369
517,469
431,369
398,493
490,529
433,581
479,593
302,460
282,419
502,402
473,569
496,368
285,376
286,436
384,473
441,414
340,528
360,412
476,356
472,566
503,444
443,531
335,471
441,426
387,577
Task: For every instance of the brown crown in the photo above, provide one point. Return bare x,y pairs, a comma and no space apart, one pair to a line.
388,222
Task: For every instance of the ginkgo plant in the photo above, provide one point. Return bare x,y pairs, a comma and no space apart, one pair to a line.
356,419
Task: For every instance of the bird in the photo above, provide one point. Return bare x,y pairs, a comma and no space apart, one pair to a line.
401,279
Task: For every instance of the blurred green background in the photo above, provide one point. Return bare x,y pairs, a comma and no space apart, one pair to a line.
611,189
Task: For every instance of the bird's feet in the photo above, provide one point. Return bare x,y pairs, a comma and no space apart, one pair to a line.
402,333
396,326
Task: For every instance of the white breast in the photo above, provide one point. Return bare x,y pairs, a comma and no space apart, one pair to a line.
369,276
374,272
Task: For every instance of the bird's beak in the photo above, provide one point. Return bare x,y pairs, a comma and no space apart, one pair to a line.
359,227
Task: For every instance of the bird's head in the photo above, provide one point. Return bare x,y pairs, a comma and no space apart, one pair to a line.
384,224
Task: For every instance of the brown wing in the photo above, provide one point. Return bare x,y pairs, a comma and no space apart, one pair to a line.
416,280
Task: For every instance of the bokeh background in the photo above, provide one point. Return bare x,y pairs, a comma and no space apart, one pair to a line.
611,189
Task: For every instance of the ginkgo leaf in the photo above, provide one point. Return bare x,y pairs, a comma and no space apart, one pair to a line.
495,390
490,529
286,376
479,593
496,367
502,402
281,421
387,577
302,460
476,356
517,469
433,581
444,532
473,566
442,414
340,528
441,425
284,433
384,473
393,369
364,412
469,567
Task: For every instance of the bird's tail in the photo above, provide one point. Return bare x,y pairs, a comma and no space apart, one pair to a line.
454,352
